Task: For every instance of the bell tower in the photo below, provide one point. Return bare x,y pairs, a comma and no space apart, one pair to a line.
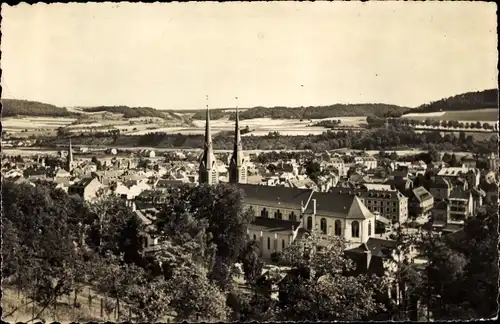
238,169
208,172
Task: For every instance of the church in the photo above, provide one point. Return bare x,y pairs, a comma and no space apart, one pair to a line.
283,214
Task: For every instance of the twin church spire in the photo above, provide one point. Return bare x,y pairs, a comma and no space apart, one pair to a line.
208,172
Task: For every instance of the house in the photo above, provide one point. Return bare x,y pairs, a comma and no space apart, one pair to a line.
369,162
421,203
440,188
87,188
440,215
461,205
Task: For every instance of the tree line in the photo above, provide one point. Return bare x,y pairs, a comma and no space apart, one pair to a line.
374,122
395,137
311,112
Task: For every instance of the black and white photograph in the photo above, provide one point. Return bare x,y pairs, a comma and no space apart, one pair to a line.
249,162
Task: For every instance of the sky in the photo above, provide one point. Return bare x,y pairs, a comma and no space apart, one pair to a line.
171,56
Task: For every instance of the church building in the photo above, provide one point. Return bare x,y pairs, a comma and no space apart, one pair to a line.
283,214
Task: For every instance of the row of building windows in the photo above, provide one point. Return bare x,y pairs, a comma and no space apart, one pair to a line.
338,227
387,210
269,242
264,213
376,202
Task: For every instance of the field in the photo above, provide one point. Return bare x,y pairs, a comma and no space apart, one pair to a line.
482,115
259,126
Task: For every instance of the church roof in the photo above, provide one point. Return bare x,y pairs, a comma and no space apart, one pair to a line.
277,197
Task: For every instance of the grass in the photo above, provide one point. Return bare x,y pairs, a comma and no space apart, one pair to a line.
489,114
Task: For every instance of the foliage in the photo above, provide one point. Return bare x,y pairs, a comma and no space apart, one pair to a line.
129,112
466,101
252,264
195,298
213,216
311,112
15,107
318,286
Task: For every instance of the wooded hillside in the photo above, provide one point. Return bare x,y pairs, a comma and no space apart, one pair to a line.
15,107
465,101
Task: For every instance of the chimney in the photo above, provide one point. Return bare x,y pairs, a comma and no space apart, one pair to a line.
302,206
133,206
314,206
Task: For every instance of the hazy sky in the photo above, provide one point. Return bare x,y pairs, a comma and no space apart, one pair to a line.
169,56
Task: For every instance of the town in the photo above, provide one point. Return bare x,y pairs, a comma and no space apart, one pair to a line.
227,162
365,200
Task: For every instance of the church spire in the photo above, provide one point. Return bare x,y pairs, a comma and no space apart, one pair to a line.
70,157
208,169
237,167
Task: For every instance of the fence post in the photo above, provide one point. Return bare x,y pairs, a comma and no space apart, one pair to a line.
102,309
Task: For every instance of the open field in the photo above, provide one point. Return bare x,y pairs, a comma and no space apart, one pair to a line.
482,115
259,126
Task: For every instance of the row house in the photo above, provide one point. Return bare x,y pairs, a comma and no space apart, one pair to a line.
421,203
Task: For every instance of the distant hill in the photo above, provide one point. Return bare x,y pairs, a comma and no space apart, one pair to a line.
313,112
129,112
466,101
15,107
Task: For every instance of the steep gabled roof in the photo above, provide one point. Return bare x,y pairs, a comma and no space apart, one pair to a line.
358,210
277,197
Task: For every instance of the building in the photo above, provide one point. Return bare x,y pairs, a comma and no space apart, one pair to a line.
421,203
281,213
69,160
379,198
461,205
440,188
238,168
208,171
87,188
369,162
440,215
493,163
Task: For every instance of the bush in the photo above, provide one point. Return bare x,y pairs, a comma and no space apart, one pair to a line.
276,257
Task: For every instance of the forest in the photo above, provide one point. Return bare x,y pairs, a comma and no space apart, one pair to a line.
466,101
56,246
14,107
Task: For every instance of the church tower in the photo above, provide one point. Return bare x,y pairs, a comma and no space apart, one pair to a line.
208,172
238,169
69,161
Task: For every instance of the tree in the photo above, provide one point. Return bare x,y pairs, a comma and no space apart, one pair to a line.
195,298
252,264
219,210
319,286
313,170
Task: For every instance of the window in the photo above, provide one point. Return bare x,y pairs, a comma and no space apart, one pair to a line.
309,223
269,243
264,213
394,210
369,228
282,244
338,227
254,237
355,229
292,216
252,211
278,214
323,225
387,209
